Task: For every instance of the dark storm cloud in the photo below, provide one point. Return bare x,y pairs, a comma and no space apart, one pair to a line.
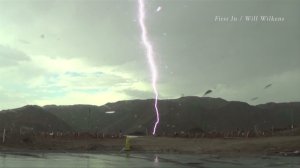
193,52
201,52
107,30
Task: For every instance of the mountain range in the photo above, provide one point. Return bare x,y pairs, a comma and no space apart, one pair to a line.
183,114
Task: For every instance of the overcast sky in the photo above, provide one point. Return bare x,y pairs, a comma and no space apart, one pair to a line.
90,51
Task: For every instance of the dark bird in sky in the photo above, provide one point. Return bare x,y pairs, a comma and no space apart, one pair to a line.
207,92
267,86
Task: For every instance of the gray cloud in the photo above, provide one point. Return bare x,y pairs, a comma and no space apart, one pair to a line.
9,56
201,53
138,94
193,52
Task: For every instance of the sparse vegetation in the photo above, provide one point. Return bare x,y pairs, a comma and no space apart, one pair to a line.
189,124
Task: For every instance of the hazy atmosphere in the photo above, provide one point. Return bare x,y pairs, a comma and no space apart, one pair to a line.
90,52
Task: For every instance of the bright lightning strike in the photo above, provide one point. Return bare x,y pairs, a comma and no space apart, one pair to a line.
149,52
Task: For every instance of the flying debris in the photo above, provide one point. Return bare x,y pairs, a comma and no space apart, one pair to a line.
254,98
267,86
158,9
207,92
110,112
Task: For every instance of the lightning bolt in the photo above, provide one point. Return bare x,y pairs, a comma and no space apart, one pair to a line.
150,56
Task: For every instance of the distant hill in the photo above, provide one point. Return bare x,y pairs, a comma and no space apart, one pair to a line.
183,114
31,117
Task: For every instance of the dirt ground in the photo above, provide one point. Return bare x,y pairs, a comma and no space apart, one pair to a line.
266,145
262,145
